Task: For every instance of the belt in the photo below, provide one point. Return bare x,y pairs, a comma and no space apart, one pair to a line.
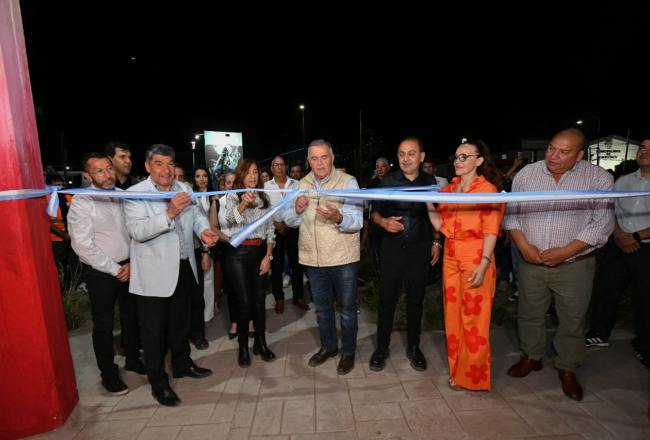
579,258
253,242
123,262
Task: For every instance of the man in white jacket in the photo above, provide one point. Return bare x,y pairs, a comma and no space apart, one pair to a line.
163,270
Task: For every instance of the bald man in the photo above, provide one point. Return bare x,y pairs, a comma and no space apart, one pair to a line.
557,241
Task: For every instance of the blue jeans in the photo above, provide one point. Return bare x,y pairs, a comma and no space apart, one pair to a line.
328,284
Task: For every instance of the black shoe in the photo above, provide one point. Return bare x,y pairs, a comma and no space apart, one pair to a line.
418,361
321,357
260,348
346,364
244,359
378,359
200,344
166,396
232,335
115,386
193,371
136,366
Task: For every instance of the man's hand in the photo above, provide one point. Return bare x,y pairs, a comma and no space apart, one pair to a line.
124,273
206,262
281,228
330,212
553,256
209,237
302,202
626,242
392,224
435,254
176,205
531,254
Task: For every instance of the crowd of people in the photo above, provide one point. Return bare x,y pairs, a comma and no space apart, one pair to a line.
166,261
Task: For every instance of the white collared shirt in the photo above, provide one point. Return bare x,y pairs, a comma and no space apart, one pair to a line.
98,231
276,196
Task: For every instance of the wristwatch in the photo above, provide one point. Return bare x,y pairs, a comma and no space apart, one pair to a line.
270,257
636,236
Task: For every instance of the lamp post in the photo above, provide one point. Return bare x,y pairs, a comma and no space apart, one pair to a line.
582,121
196,138
302,110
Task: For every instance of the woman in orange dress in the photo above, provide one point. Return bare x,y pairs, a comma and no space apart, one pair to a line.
469,271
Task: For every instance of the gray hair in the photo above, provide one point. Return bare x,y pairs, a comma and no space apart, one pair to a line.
384,160
320,143
161,150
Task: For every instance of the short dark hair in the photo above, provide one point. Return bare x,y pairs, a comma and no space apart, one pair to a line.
414,139
178,165
51,178
161,150
93,155
109,148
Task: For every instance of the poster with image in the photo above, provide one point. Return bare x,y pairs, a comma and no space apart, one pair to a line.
223,150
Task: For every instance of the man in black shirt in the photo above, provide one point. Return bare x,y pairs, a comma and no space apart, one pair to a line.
120,155
407,248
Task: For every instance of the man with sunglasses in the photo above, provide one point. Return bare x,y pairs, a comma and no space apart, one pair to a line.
557,240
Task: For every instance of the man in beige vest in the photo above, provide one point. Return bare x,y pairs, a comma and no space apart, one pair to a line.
329,248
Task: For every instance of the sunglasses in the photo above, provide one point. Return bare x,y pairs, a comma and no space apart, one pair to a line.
461,157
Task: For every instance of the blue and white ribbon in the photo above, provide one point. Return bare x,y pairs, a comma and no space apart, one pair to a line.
427,194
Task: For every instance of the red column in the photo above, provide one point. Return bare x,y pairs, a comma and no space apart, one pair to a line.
37,383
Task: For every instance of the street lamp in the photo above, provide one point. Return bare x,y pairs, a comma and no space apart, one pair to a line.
302,110
193,152
581,122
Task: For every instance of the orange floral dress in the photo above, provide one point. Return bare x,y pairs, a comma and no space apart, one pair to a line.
468,310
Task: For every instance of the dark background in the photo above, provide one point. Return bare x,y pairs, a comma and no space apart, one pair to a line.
499,73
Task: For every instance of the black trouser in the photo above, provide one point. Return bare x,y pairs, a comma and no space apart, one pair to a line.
167,321
619,270
242,264
288,243
197,316
103,290
402,263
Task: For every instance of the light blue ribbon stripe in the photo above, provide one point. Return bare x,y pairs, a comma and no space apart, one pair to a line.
402,194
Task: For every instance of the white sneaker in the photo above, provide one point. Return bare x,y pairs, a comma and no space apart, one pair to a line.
286,280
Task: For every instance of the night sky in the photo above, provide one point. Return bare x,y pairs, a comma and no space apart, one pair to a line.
441,74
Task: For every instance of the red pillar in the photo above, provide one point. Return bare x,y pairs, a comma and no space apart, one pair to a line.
37,383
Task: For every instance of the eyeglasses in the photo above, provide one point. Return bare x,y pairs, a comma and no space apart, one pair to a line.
106,171
462,157
278,165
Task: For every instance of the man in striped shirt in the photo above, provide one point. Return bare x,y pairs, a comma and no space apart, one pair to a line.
557,241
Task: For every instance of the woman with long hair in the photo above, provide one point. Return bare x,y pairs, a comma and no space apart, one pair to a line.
249,264
203,293
218,222
469,271
202,183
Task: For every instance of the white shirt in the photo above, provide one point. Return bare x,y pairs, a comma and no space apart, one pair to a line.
276,197
98,232
632,213
441,182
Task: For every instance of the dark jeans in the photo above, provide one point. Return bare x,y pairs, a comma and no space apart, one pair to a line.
289,244
197,321
103,290
242,264
167,321
618,271
408,264
328,284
